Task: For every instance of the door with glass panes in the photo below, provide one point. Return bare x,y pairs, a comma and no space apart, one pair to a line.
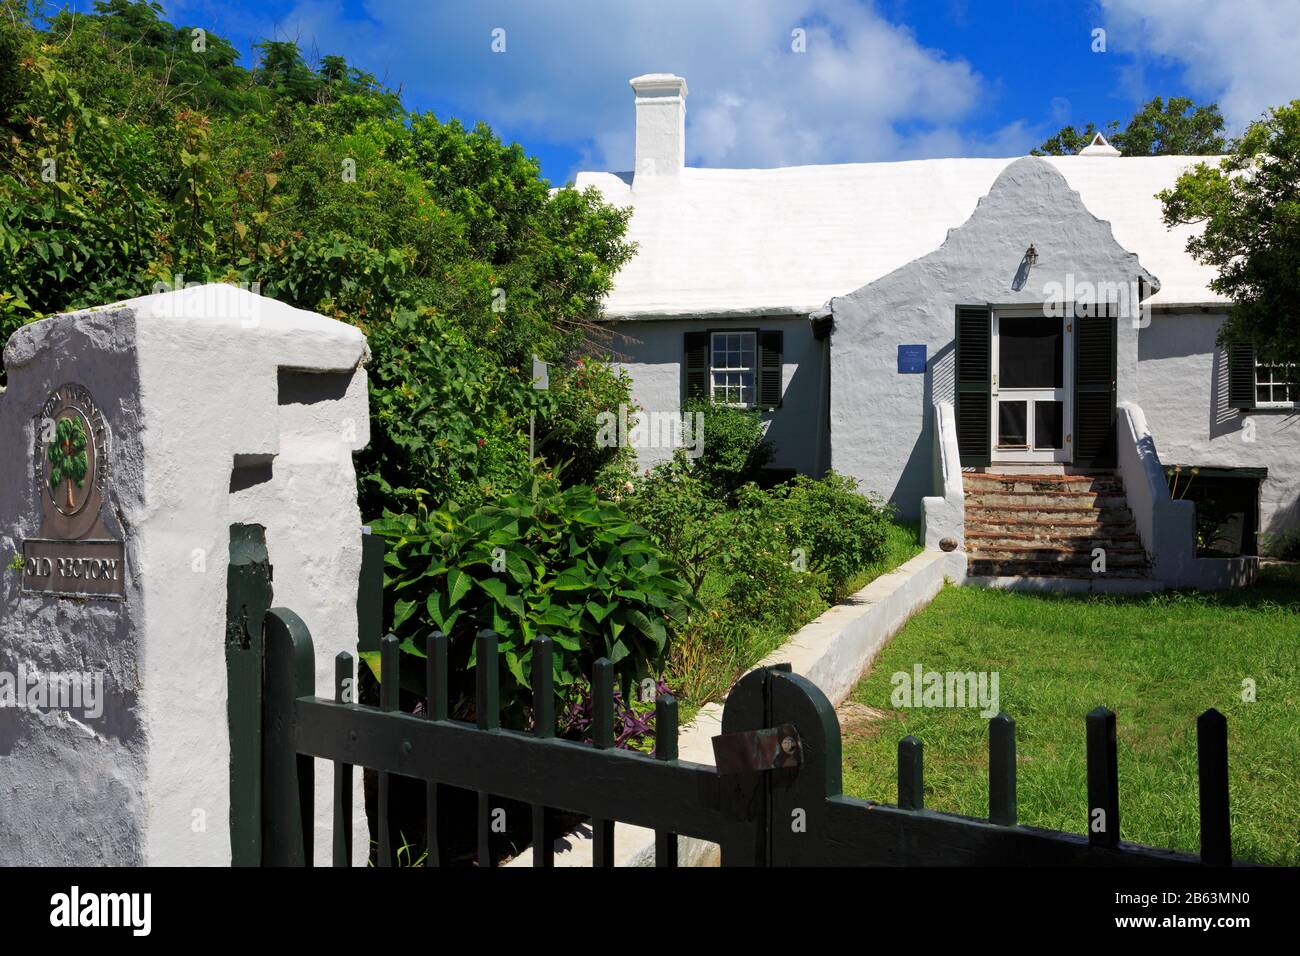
1032,371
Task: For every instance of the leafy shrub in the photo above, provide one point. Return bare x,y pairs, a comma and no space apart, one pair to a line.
735,448
762,567
839,530
674,504
448,422
542,561
736,560
568,439
165,166
767,581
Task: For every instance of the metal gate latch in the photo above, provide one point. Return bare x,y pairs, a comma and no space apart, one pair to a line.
754,751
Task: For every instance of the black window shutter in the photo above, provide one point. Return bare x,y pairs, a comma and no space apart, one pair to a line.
974,384
1241,376
1094,390
770,348
697,364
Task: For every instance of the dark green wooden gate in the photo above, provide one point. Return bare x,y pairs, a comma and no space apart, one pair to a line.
773,800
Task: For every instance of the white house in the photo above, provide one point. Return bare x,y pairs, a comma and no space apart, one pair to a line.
1016,351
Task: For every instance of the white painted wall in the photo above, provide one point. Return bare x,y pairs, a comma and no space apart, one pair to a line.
209,382
207,363
1167,527
1183,391
652,353
881,420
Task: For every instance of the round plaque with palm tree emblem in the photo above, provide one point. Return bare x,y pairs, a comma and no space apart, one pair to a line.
71,460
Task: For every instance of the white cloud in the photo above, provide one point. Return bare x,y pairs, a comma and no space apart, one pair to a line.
866,89
1243,53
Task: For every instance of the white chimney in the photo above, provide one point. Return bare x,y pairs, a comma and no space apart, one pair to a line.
660,125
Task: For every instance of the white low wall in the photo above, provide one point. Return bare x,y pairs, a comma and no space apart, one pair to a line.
944,515
1167,527
833,652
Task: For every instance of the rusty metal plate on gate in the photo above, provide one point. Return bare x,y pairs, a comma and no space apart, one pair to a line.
754,751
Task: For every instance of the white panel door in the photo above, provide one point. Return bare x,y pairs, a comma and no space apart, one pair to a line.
1033,372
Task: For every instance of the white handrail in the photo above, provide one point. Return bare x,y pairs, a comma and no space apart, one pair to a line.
944,515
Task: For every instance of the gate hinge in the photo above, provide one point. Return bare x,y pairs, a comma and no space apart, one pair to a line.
755,751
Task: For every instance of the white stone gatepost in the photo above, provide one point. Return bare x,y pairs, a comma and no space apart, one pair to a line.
132,437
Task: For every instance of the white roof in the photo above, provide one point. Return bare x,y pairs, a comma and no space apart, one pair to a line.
764,241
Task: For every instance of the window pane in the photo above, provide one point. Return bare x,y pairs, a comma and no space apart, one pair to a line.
1047,424
1011,423
1276,384
1030,352
733,350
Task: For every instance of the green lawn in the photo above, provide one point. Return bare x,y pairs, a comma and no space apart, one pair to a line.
1157,661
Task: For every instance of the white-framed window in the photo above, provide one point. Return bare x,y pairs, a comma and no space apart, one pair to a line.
1276,385
731,367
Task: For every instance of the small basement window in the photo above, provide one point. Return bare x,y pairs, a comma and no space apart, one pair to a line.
731,368
1227,507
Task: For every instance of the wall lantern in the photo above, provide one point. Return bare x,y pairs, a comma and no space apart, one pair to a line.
1031,256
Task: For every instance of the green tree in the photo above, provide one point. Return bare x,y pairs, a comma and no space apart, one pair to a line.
284,70
1067,141
1249,205
67,454
168,159
1178,127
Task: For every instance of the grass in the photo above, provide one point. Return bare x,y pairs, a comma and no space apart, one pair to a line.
1158,661
706,672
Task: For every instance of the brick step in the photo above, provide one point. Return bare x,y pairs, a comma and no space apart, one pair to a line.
1068,519
1045,554
1056,499
1043,484
1058,513
1094,536
1040,476
1048,525
1051,569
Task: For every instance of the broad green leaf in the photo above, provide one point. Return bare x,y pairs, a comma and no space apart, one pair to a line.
401,611
458,585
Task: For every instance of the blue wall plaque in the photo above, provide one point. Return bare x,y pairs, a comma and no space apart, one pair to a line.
911,359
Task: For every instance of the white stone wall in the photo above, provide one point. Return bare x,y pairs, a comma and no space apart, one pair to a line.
1183,391
191,384
881,420
652,353
72,793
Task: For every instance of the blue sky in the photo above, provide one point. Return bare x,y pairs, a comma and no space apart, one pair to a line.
882,80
